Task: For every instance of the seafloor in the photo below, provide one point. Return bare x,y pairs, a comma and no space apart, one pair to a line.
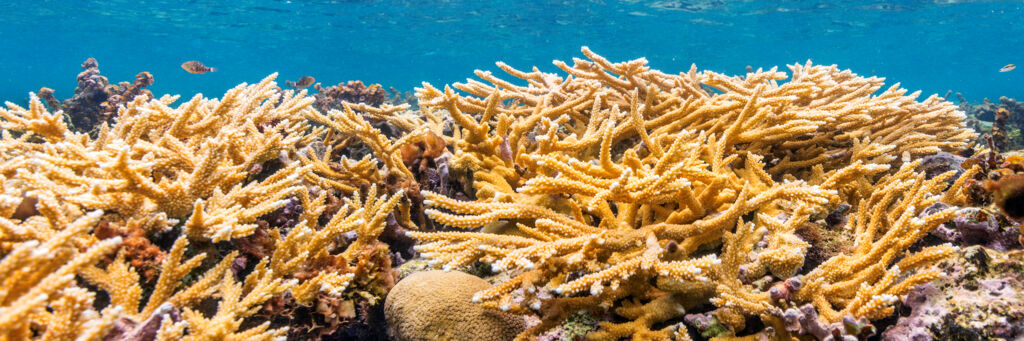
608,201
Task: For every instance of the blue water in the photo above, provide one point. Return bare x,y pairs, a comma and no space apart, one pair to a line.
934,46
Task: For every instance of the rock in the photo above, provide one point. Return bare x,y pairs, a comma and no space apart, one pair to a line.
437,305
980,298
980,226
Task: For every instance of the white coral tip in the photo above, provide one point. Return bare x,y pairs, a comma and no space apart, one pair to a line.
527,264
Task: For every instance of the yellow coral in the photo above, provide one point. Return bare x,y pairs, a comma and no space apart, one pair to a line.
190,170
618,174
177,161
616,187
864,283
38,286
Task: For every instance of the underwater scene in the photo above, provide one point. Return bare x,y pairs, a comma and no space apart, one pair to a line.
511,170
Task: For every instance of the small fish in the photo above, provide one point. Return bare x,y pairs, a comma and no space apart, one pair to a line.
302,83
1008,68
195,66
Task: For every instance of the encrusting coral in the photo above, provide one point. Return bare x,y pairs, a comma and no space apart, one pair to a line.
979,298
621,187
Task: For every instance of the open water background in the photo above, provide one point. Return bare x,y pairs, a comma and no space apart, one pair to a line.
933,46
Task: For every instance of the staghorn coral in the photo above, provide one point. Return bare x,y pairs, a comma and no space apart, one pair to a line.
868,280
637,196
417,156
288,270
39,296
623,188
190,161
175,181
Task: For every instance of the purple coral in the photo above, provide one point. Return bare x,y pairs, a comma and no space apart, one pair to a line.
979,298
96,100
941,162
805,321
125,329
977,226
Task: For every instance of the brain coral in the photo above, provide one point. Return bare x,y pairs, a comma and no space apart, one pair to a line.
436,305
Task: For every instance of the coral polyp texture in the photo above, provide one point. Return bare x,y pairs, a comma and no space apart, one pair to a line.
619,187
607,199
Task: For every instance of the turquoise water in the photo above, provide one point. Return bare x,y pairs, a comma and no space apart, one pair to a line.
932,46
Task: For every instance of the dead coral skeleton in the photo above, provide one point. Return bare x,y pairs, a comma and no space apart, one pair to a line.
620,183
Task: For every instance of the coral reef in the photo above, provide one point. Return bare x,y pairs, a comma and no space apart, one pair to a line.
576,327
354,92
96,101
980,298
609,201
622,188
805,321
399,98
979,226
1004,121
436,305
165,186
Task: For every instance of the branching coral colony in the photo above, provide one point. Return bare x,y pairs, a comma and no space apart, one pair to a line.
195,175
620,187
615,188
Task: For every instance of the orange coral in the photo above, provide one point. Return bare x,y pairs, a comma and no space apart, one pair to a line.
136,248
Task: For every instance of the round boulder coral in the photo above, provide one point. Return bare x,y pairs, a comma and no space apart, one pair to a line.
437,305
